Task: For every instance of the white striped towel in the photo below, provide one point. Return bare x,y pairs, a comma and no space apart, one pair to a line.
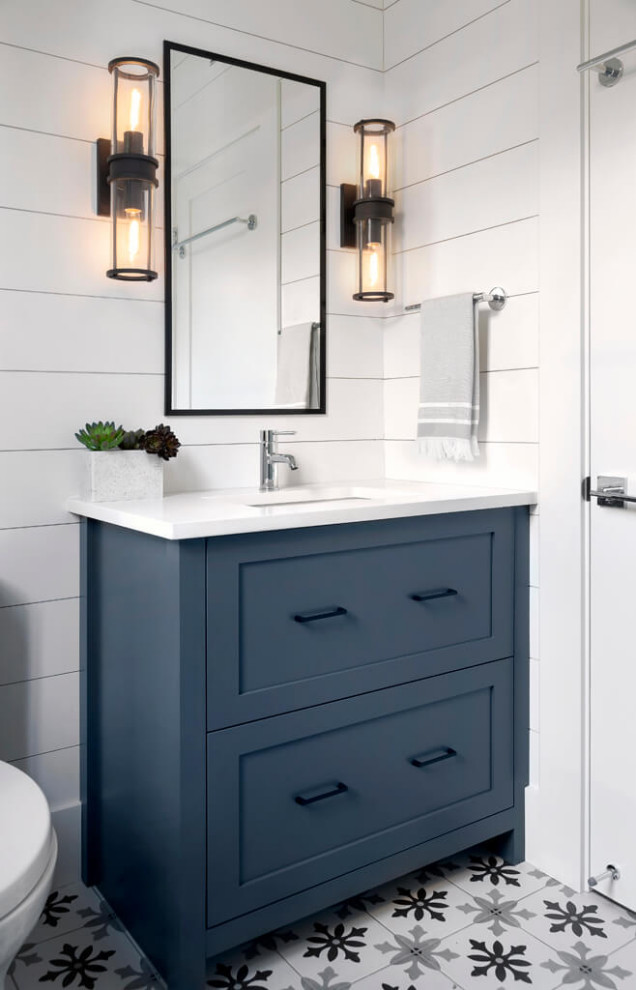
448,413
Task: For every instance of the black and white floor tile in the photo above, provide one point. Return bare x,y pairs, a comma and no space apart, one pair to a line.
469,923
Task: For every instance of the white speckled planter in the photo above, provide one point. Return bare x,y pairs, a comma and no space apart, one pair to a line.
123,474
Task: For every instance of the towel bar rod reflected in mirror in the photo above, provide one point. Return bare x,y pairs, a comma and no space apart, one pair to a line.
496,299
250,221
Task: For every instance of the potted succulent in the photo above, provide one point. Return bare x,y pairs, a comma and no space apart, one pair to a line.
134,465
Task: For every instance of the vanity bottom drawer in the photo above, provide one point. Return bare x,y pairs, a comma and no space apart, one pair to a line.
298,799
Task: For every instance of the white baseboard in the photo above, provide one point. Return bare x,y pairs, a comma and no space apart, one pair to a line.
67,824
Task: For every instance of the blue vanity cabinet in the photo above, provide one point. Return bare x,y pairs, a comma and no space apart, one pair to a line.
274,722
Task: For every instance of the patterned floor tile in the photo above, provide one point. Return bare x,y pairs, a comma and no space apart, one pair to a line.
480,959
63,911
389,979
485,871
431,902
468,923
348,946
416,954
77,961
267,972
584,967
560,919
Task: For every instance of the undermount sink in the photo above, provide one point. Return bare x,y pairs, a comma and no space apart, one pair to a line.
327,497
312,501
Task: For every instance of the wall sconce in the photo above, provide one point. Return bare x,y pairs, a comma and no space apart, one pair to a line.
366,210
127,165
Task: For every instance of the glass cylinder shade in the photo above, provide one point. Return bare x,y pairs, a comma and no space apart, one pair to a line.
134,82
373,210
374,159
131,210
372,262
132,168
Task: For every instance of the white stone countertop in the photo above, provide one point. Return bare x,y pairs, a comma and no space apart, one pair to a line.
191,515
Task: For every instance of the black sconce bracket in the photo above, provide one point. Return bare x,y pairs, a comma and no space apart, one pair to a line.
126,165
354,210
348,196
103,190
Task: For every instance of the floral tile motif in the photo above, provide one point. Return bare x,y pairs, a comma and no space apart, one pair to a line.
256,965
436,906
482,959
625,959
584,969
348,946
472,922
550,881
392,979
242,976
327,980
75,961
627,922
496,911
561,919
63,912
100,922
416,952
481,871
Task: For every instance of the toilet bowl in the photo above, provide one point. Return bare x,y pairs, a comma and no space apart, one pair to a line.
28,852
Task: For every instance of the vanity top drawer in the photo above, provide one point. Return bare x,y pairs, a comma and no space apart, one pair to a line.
305,617
315,794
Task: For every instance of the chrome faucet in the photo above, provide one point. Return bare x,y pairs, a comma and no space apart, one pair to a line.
270,457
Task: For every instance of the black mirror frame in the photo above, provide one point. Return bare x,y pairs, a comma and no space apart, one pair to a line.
168,47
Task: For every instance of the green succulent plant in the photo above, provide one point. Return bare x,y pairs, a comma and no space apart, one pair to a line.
162,442
101,436
106,436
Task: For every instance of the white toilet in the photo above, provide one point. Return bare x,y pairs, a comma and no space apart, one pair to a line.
28,851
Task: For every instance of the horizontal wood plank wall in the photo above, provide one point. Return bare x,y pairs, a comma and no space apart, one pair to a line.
463,79
75,346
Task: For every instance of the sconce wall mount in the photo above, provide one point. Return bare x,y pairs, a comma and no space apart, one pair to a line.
366,210
127,167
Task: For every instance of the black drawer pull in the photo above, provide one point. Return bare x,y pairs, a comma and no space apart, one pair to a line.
426,596
427,760
337,789
321,613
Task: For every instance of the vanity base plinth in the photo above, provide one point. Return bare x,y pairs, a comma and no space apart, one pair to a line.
177,726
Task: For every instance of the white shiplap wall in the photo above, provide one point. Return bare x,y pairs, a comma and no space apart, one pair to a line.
467,218
463,80
75,346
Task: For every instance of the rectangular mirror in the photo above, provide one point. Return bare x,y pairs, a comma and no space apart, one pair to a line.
245,237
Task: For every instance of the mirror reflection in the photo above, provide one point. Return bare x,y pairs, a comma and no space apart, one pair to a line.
245,223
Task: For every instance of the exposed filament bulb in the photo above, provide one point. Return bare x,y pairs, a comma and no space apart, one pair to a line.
374,162
135,108
134,239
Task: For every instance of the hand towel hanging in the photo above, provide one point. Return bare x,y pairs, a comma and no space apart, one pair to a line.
448,414
298,360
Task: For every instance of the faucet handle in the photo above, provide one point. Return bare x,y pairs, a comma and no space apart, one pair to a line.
284,433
